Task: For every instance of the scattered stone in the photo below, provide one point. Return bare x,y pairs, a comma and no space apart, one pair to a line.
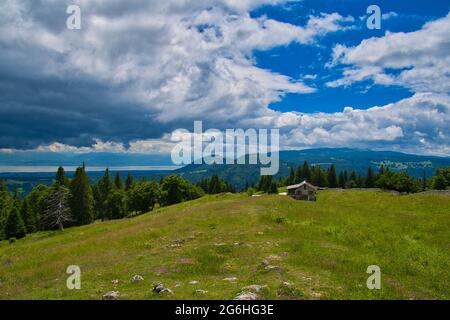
115,282
267,266
220,244
247,296
271,268
160,288
193,282
199,291
111,295
230,279
273,257
255,288
316,295
137,278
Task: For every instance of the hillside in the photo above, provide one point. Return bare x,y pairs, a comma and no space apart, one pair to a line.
322,249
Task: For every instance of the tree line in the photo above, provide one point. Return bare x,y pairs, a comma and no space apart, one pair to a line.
77,201
330,178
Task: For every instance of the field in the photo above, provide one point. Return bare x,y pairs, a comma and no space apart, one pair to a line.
321,249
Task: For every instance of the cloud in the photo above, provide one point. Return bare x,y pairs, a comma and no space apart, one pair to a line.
138,70
416,60
418,124
389,15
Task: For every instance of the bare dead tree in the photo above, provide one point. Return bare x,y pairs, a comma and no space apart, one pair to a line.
58,210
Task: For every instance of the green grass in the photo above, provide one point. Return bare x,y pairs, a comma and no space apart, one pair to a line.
323,248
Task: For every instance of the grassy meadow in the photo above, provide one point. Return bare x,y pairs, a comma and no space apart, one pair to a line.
321,248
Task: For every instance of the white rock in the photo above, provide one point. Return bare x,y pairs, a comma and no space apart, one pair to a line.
246,296
199,291
230,279
137,278
111,295
160,288
256,288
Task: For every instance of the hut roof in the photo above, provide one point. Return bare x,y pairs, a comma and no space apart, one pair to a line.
296,186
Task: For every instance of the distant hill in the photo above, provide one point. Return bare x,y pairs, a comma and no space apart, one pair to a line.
342,158
37,158
238,175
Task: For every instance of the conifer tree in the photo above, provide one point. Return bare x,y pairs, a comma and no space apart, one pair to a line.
370,178
291,178
81,199
2,185
424,181
298,175
60,178
342,180
273,189
214,185
118,181
28,217
15,227
332,178
306,172
103,189
129,182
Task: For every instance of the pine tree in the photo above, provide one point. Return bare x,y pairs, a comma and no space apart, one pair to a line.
118,181
332,178
60,178
214,185
15,227
352,181
370,179
298,175
291,178
129,182
306,172
424,181
273,189
341,180
104,188
81,199
58,210
382,170
28,217
2,185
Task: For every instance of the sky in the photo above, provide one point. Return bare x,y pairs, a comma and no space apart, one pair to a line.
138,70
